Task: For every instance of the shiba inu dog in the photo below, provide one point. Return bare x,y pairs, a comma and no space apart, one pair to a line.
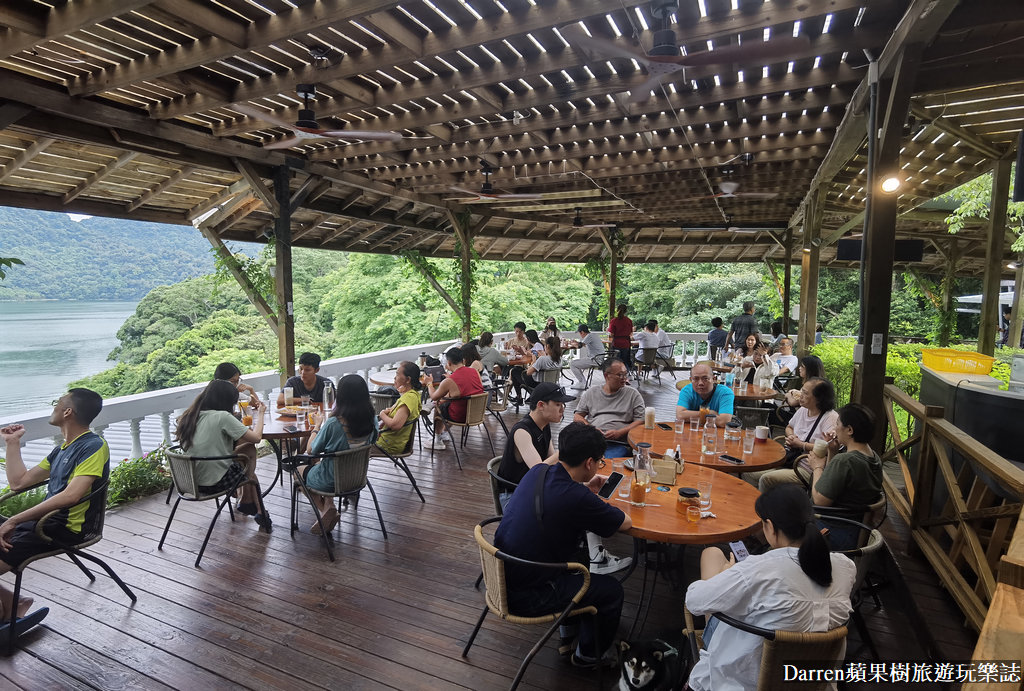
651,665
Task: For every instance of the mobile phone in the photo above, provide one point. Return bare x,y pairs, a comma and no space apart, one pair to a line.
739,549
609,485
731,459
291,428
664,426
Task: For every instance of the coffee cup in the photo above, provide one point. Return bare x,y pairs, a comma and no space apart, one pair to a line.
820,448
761,433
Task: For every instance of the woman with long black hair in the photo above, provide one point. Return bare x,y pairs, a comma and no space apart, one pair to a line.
351,423
798,585
209,428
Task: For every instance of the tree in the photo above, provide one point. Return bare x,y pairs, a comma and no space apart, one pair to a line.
7,263
974,197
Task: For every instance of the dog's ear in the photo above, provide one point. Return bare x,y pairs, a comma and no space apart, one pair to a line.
657,655
623,646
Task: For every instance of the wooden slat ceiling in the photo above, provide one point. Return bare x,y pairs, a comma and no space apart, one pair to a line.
131,109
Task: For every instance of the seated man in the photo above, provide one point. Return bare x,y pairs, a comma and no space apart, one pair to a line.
544,522
613,408
307,382
704,393
647,339
72,469
665,347
461,381
785,359
590,346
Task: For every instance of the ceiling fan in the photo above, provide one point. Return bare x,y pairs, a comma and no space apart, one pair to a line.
728,191
306,130
664,58
487,193
577,221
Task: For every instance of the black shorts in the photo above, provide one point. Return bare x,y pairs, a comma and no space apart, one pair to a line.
25,543
235,474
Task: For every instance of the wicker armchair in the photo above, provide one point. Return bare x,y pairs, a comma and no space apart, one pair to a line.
399,458
350,470
382,401
75,553
476,411
183,473
863,557
779,647
496,595
498,403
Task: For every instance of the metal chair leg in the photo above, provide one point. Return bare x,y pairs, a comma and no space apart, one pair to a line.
160,545
476,630
376,505
110,572
73,557
540,644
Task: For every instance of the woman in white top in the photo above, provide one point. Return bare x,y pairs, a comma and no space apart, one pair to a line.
796,586
550,360
756,366
814,420
471,358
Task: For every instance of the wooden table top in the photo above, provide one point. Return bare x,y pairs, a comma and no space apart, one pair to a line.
385,378
274,425
766,455
753,393
732,502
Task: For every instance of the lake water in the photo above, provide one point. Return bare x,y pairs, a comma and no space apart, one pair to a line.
45,345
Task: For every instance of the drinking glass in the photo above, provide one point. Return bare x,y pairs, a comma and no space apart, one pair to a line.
638,490
693,514
695,424
680,428
623,488
704,487
243,407
748,441
304,401
289,395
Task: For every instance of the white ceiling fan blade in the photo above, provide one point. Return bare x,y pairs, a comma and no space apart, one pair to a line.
575,35
286,143
263,115
641,93
757,195
752,51
372,135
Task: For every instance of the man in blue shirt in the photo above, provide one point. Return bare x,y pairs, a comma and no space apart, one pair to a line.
545,521
703,392
72,468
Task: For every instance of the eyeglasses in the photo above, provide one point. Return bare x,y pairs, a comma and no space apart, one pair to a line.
700,379
601,463
620,375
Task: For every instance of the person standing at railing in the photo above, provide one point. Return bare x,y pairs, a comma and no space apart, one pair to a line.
716,339
72,470
307,382
620,330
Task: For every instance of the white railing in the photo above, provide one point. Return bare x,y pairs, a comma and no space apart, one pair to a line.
164,402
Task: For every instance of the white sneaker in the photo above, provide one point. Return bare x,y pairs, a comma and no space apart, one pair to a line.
605,562
437,444
446,438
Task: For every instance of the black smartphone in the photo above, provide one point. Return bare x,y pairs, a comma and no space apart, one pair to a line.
664,426
731,459
291,428
609,485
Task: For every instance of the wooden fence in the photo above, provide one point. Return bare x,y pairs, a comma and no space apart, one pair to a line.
963,503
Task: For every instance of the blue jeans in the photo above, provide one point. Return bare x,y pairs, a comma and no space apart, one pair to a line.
604,593
618,450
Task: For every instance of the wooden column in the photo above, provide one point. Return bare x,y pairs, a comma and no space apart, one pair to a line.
1017,314
613,281
464,238
283,275
994,256
880,239
809,265
787,281
948,280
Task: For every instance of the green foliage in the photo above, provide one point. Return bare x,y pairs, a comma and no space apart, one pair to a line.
97,258
974,197
19,502
902,363
255,269
7,263
138,477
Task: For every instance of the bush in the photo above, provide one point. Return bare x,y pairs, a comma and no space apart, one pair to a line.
138,477
18,503
902,364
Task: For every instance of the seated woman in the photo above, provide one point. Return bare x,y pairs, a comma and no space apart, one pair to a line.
757,366
815,419
852,477
471,358
518,373
351,423
550,329
746,349
550,360
796,586
460,383
394,435
228,371
810,367
208,427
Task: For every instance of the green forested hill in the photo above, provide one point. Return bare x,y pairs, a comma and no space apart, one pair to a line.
96,258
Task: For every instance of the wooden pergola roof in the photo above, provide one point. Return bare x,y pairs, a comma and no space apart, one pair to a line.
129,108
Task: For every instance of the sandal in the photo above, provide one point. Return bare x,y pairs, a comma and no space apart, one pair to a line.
329,519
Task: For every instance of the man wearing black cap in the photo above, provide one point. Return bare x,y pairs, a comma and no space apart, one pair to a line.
529,441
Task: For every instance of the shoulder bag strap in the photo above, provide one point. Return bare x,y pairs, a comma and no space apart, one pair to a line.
538,495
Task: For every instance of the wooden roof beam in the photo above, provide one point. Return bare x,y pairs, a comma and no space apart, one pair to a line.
11,113
374,227
30,152
255,180
336,233
228,192
944,125
23,19
202,16
99,175
63,20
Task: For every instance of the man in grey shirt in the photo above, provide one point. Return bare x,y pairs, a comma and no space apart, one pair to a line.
613,408
590,346
489,356
742,326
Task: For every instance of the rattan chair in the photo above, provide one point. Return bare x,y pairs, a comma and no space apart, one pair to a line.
399,458
75,552
476,411
779,648
751,417
647,363
350,477
498,403
598,364
382,401
498,484
492,560
183,473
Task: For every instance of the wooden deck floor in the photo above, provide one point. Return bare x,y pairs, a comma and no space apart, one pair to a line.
271,612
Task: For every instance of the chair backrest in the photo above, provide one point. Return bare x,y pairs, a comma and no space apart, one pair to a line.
183,470
787,646
649,354
350,468
382,401
751,417
492,476
550,375
476,409
499,401
493,570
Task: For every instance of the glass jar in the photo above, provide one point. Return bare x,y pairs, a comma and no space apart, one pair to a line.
688,496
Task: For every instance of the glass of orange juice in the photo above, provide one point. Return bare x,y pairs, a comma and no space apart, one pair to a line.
243,406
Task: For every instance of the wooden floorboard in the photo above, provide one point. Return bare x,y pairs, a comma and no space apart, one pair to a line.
271,612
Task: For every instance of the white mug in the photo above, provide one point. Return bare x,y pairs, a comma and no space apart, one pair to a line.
761,433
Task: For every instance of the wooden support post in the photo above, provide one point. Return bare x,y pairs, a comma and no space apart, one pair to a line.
1017,314
994,256
809,267
283,275
880,239
948,301
464,242
787,281
248,288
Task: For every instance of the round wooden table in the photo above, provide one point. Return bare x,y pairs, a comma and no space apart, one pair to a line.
753,392
385,378
766,455
275,432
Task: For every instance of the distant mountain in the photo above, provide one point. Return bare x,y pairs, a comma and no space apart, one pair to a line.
95,258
